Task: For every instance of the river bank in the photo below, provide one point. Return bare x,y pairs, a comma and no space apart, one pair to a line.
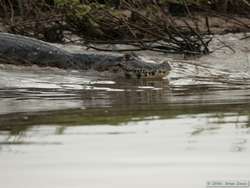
184,29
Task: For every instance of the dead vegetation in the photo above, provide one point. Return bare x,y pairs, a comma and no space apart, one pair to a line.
145,26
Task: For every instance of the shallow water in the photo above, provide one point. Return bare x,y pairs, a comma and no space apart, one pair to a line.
66,129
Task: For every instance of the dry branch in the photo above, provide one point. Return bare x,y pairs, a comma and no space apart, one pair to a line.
145,26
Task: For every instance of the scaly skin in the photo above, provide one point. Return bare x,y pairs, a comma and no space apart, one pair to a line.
20,50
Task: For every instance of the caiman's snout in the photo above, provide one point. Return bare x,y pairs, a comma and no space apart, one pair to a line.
159,71
135,67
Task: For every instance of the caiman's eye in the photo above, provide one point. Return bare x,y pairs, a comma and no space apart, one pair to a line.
119,65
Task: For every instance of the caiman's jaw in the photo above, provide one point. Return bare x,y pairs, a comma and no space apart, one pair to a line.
146,74
135,68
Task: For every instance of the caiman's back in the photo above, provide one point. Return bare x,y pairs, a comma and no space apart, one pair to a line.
17,49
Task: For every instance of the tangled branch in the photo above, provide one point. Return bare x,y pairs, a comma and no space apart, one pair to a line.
141,24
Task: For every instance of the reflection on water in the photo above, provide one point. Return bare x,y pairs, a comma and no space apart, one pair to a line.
69,129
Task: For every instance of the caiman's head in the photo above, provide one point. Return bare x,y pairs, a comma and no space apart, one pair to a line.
134,67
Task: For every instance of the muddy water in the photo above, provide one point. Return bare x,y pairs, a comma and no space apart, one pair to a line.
69,129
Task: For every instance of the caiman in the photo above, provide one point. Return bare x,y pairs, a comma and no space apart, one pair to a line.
21,50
